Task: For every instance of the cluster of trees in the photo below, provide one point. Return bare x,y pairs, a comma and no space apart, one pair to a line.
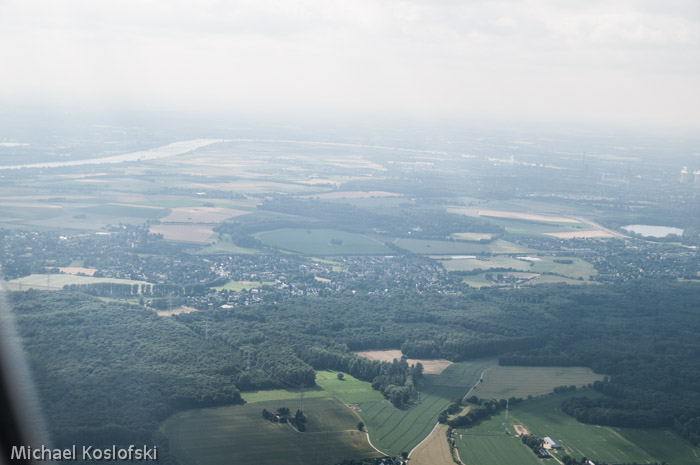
479,409
395,379
534,443
645,336
109,373
609,411
131,368
376,461
284,415
280,362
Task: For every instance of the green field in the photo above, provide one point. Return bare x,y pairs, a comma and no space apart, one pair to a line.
53,281
280,394
662,444
427,247
478,449
470,264
112,210
503,382
349,390
394,430
239,435
318,242
578,269
226,247
543,417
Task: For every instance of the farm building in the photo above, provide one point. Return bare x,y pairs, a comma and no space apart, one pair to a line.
550,443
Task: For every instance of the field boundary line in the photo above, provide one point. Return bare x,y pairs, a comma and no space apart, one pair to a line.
481,376
424,439
372,445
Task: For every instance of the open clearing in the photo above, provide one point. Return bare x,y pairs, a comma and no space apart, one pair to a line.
430,367
183,232
502,382
434,450
349,390
576,269
206,215
56,281
176,311
238,286
77,270
470,236
395,430
323,242
225,245
239,435
470,264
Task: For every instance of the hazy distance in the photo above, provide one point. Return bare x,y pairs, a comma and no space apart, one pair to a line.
626,63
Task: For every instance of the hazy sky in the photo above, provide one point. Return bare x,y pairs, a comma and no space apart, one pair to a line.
608,61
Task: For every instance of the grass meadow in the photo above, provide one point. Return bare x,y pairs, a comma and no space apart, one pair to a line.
323,242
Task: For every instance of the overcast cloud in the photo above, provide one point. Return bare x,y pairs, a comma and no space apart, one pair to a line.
617,61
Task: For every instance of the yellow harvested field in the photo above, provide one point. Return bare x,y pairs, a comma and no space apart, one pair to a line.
77,269
430,367
201,215
183,232
353,195
468,236
580,234
176,311
510,215
434,449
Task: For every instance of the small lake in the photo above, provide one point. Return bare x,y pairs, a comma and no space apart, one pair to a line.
652,231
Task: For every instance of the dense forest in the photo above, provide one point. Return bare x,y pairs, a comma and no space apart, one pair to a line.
131,369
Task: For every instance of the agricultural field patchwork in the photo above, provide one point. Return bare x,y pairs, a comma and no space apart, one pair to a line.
395,430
